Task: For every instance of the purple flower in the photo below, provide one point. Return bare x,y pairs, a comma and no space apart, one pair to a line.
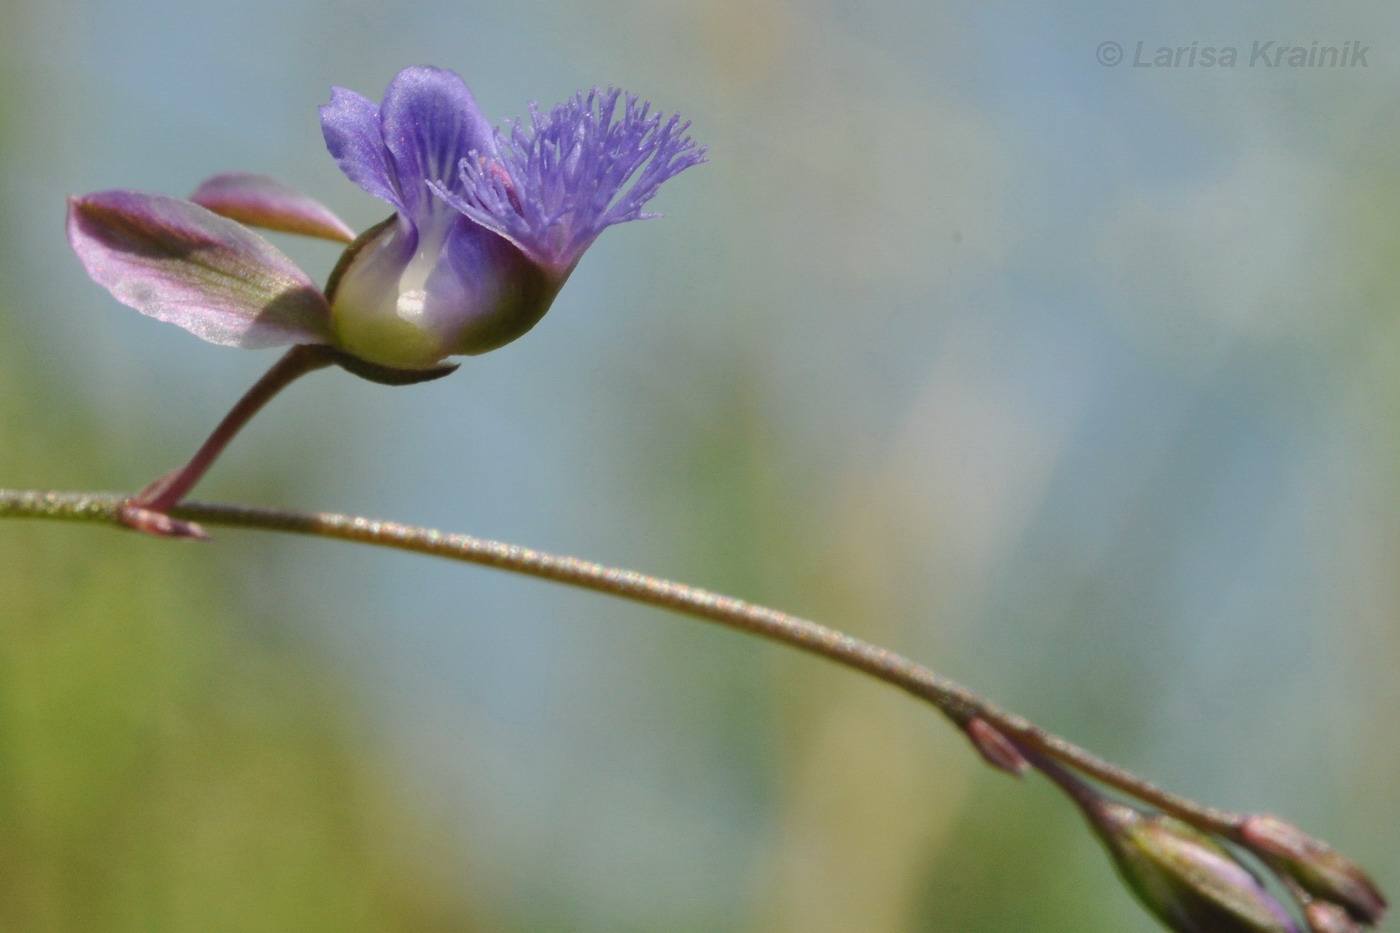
486,228
553,188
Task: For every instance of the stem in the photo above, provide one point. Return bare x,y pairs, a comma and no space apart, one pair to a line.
955,701
165,492
1090,802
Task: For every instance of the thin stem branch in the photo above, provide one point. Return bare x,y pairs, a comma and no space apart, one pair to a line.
955,701
149,509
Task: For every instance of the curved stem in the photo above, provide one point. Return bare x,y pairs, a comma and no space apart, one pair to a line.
955,701
1097,809
165,492
149,509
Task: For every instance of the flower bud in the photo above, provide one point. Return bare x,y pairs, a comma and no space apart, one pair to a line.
994,747
1326,917
1184,877
1318,868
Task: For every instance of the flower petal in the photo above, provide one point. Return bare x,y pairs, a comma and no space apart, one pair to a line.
260,201
486,293
553,187
404,302
431,122
350,124
366,294
178,262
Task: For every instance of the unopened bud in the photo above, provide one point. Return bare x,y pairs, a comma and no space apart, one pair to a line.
1184,877
1318,868
994,747
1326,917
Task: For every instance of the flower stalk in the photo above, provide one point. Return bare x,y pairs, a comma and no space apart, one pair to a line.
1004,739
149,509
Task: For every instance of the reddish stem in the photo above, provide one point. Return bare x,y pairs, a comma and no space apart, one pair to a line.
149,509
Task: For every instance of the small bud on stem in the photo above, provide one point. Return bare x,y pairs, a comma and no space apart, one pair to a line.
1180,874
1326,917
1318,869
994,747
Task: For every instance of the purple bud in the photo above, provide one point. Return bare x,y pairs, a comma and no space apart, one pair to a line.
1318,868
1326,917
994,747
1184,877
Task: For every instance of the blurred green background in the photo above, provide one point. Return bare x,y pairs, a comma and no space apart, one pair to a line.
1080,383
